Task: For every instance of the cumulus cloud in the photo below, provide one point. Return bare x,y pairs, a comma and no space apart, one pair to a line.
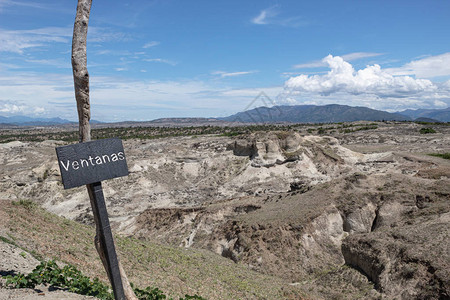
39,110
429,67
371,86
11,108
372,80
347,57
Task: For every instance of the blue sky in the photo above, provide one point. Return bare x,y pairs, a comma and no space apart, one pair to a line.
154,59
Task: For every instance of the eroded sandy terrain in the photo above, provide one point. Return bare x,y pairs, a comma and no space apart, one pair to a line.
299,206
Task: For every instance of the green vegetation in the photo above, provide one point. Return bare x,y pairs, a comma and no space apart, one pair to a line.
27,203
67,277
432,123
146,133
426,130
441,155
8,241
345,128
72,280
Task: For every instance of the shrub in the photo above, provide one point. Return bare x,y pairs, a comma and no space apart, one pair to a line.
426,130
27,203
441,155
71,279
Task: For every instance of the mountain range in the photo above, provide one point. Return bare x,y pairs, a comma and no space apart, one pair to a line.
442,115
313,114
30,121
332,113
286,113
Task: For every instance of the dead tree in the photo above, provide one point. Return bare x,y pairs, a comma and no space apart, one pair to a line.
81,83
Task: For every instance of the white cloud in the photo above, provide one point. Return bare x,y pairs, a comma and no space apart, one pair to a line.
428,67
270,16
5,3
52,95
39,110
151,44
59,63
311,64
11,108
347,57
104,34
16,41
371,86
271,92
224,74
359,55
371,80
28,93
264,15
160,60
446,85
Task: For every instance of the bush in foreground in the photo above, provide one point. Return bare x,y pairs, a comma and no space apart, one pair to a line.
72,280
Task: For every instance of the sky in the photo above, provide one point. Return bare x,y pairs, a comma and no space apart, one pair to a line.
173,58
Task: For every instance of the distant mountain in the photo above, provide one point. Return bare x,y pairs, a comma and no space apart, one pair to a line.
29,121
427,120
313,114
184,120
442,115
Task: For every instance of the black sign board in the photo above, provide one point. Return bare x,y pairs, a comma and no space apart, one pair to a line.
90,162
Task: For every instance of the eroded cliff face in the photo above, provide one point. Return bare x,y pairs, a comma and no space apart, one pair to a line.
390,231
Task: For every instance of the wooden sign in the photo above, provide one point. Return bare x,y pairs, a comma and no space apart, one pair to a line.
91,162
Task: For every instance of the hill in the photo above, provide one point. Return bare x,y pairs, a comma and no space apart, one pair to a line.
442,115
313,114
177,271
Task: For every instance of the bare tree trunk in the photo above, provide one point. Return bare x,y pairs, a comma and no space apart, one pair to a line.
79,67
81,83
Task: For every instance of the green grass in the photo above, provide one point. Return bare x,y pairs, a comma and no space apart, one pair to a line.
28,204
8,241
441,155
176,271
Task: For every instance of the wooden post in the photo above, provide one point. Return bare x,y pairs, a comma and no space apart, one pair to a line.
79,68
106,238
103,239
